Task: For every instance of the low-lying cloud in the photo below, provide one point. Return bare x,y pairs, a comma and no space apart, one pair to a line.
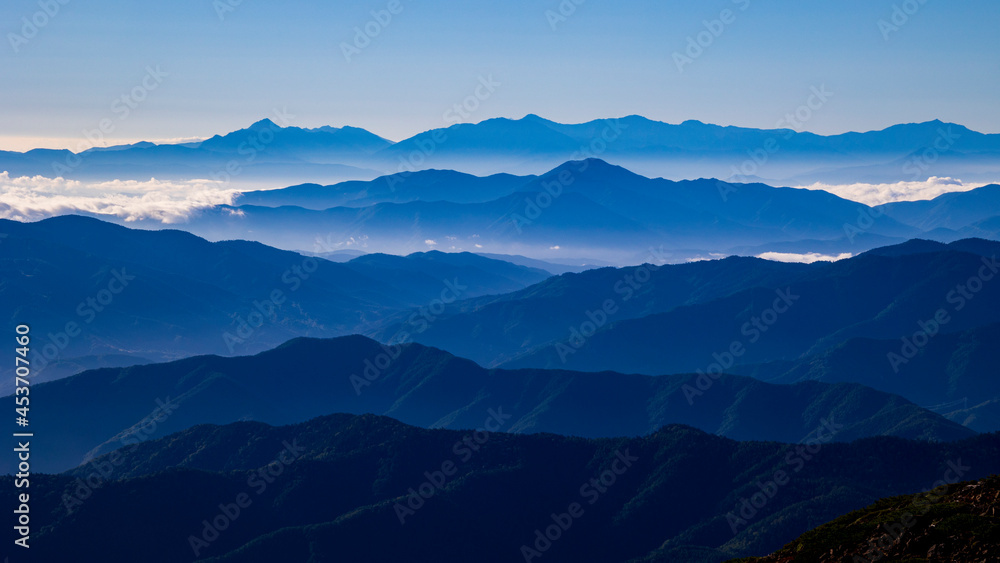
33,198
807,258
877,194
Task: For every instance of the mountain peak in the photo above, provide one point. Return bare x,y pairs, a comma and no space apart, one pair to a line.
912,246
265,123
592,165
692,122
534,117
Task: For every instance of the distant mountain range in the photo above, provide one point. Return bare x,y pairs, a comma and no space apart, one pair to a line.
589,209
431,388
427,185
263,154
323,489
100,295
97,294
952,211
913,319
663,319
599,364
268,153
953,374
867,296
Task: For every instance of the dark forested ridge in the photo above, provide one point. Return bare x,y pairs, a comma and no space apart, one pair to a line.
322,489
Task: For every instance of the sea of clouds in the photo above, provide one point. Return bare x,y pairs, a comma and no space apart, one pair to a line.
174,201
877,194
804,258
33,198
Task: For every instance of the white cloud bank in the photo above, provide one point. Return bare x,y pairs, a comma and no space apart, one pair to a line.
807,258
37,197
877,194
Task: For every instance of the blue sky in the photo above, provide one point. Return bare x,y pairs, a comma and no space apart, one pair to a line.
217,74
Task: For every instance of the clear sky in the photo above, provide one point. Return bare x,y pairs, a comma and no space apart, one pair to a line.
221,73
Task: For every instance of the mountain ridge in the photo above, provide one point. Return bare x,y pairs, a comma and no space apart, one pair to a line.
690,149
378,464
432,388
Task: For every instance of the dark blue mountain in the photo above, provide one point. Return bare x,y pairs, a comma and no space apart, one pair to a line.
426,272
868,296
554,268
683,318
953,373
263,154
325,145
93,289
323,489
694,149
950,211
431,388
267,152
588,208
426,185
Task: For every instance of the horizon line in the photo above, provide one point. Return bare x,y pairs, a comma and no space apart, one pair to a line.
79,144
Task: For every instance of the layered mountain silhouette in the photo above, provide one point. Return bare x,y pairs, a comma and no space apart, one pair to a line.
91,289
675,318
508,325
582,360
260,155
431,388
955,211
184,296
953,374
693,149
868,296
424,185
323,489
267,152
586,208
